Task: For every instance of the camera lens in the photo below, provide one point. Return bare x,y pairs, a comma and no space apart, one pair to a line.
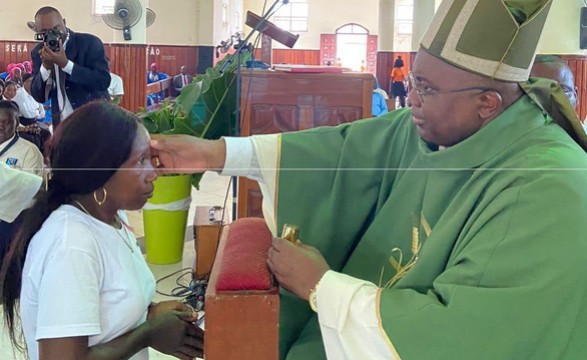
52,39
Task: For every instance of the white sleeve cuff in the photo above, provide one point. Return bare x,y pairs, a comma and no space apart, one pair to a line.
68,68
45,74
337,291
349,318
240,159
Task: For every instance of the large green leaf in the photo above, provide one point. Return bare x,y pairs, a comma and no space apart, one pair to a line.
205,108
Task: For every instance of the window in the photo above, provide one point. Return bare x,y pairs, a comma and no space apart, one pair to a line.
404,23
404,18
103,7
293,16
352,29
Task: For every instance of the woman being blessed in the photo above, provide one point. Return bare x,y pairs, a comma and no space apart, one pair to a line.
83,287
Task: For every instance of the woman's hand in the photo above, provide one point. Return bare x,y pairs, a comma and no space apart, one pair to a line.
186,154
297,267
174,333
166,306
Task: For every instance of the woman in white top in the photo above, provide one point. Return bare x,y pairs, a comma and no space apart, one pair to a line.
28,110
85,289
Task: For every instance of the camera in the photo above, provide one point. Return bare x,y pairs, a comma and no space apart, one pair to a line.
51,38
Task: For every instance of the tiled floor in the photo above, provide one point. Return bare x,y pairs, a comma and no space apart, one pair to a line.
213,190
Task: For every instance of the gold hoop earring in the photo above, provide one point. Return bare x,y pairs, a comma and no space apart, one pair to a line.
46,178
104,196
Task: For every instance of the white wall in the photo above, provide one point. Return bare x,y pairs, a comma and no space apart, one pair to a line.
77,13
199,22
325,16
561,31
177,22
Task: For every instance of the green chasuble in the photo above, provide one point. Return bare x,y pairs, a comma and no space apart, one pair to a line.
501,219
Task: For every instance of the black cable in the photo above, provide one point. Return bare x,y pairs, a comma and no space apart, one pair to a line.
174,292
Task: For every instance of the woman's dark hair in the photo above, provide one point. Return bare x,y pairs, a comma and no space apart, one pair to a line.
11,106
86,150
26,76
10,82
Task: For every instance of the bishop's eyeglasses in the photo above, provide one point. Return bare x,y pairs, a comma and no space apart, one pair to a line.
424,91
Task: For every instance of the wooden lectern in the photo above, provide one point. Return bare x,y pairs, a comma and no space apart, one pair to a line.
278,101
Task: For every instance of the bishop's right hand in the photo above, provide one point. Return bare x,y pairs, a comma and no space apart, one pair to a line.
183,154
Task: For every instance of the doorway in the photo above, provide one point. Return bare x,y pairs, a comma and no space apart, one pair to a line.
351,46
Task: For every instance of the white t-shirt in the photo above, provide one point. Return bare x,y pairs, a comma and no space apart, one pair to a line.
81,279
116,87
28,107
23,155
17,189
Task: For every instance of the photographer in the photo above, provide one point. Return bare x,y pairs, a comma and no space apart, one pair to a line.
68,67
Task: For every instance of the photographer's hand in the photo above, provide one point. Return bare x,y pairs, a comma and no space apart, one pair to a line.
45,58
59,56
54,57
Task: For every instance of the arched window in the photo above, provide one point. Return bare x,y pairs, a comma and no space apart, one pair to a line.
352,28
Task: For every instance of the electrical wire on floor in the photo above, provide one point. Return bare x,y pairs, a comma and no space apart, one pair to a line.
192,294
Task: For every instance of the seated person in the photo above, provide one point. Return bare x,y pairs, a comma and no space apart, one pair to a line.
116,87
16,152
153,75
182,79
16,76
10,89
379,105
17,189
29,108
28,67
31,113
6,73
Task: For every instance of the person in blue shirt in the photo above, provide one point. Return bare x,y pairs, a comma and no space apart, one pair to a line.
379,106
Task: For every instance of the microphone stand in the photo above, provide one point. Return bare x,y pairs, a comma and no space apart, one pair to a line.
240,47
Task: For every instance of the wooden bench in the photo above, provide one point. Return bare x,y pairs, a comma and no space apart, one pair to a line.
164,88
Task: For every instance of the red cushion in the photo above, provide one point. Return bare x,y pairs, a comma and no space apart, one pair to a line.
243,265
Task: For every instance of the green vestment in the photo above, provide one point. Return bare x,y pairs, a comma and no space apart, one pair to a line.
503,272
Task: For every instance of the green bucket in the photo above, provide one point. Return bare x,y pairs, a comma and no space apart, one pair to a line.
164,229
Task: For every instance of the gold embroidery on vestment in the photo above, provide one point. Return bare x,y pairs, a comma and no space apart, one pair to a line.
397,256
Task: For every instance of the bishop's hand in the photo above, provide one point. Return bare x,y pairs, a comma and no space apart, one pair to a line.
297,267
